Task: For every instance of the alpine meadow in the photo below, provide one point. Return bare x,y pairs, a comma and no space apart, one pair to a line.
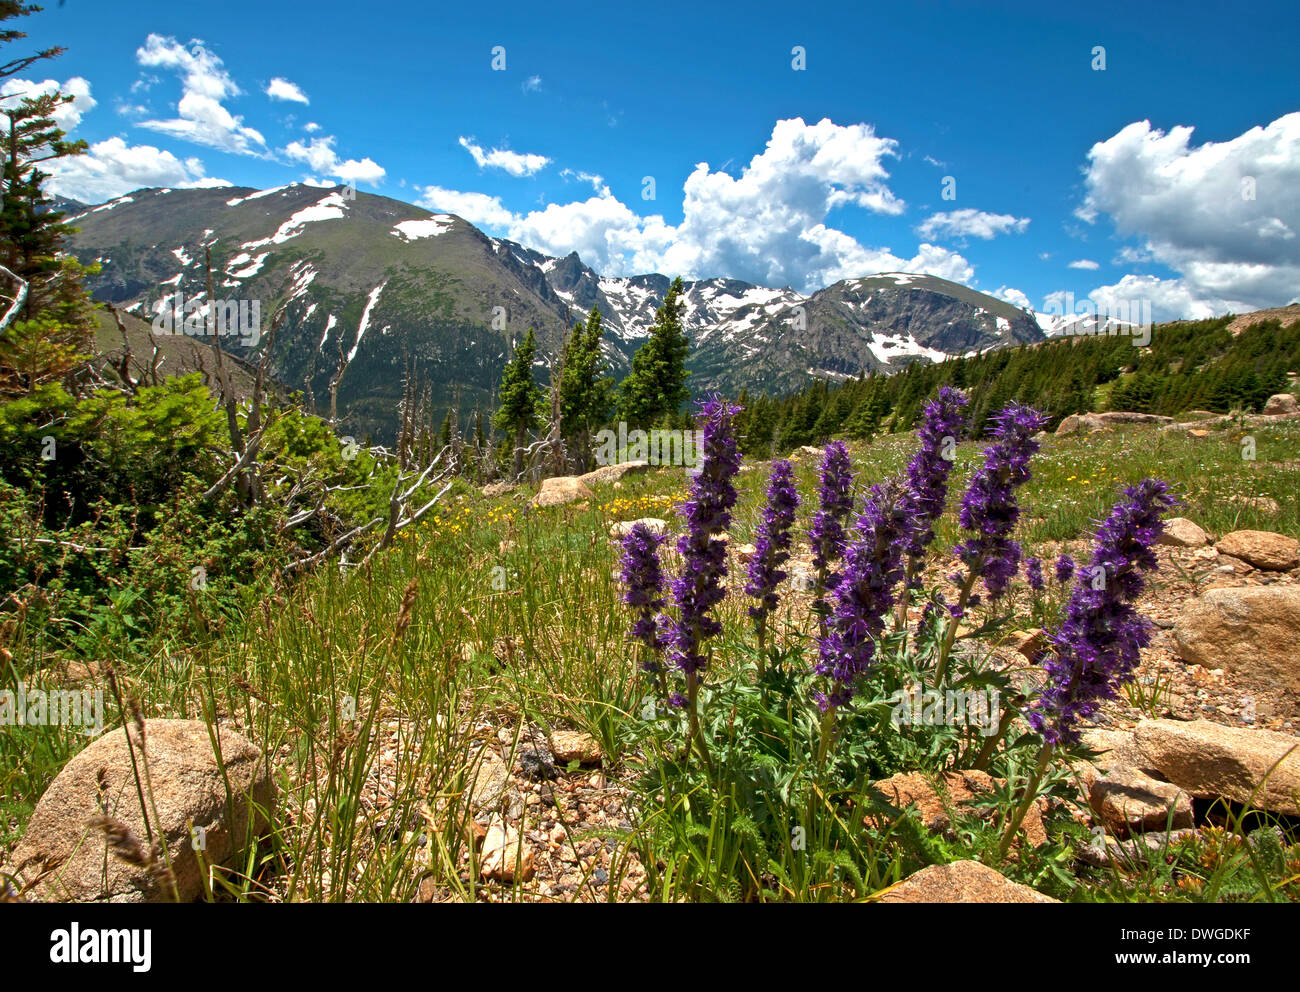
792,455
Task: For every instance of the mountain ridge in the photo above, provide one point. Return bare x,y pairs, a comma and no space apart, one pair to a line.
388,284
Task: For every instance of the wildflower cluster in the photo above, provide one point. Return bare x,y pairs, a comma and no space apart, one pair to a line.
1034,574
1064,569
864,594
644,581
772,546
1095,647
471,519
704,553
989,509
835,503
629,508
942,422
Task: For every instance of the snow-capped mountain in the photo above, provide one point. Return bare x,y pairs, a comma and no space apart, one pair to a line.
384,284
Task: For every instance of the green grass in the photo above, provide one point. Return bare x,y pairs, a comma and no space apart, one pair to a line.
492,572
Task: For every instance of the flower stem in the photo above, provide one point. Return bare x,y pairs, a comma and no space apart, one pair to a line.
1030,795
905,593
693,717
950,634
827,732
990,745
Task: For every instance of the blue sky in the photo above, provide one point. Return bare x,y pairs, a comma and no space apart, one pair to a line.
1064,177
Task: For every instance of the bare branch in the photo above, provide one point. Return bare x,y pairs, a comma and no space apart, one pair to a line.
20,297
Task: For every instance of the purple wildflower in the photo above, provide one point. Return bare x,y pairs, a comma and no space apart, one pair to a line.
873,566
927,474
827,532
930,616
1097,645
1064,569
772,545
1034,574
644,580
708,514
989,507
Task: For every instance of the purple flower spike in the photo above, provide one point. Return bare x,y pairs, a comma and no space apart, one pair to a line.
1034,574
836,503
708,514
644,582
989,507
1064,569
772,545
873,567
1097,645
942,424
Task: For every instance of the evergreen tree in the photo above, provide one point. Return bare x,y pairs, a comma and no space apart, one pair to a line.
761,427
655,388
520,398
53,328
585,391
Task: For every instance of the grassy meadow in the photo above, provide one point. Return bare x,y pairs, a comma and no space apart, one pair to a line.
374,691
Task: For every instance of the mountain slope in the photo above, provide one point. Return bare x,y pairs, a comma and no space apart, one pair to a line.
380,283
366,277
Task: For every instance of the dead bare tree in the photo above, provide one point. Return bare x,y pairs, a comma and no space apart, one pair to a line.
404,416
400,514
19,298
124,366
226,386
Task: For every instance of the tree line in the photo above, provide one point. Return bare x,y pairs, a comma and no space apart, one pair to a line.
1187,366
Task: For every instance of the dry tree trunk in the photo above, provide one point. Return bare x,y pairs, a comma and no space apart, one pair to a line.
226,385
124,367
19,299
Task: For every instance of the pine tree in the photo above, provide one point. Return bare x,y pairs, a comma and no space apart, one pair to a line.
9,9
520,398
655,388
53,325
585,391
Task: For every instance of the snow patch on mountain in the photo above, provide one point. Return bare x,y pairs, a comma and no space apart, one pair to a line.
329,326
252,265
365,317
889,348
431,227
256,196
331,207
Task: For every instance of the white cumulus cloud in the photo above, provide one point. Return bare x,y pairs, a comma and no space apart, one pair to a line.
281,89
768,225
112,168
319,153
1013,296
1222,215
515,163
477,208
201,114
67,115
970,223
